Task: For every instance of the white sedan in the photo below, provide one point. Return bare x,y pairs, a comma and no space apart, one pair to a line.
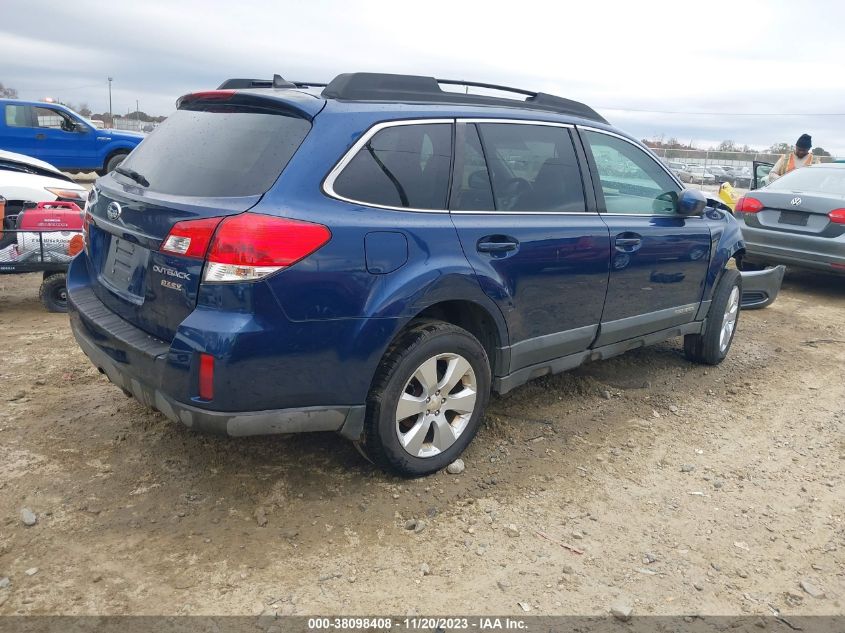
26,179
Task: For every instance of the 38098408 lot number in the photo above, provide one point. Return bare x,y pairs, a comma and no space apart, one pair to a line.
349,623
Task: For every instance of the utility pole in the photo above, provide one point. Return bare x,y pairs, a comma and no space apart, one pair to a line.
138,114
111,118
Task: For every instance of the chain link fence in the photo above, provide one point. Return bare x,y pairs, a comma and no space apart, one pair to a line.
707,169
134,125
726,159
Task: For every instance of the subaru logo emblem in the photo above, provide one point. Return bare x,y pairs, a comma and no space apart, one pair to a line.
795,202
113,211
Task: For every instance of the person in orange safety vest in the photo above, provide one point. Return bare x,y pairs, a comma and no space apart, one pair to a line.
801,157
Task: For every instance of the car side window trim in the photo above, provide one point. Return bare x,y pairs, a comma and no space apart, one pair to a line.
334,173
595,175
329,181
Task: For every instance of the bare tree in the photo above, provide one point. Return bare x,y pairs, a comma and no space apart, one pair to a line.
8,93
780,148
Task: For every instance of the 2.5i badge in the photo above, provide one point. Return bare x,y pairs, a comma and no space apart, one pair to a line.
171,284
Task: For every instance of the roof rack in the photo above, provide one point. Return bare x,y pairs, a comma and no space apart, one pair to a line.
416,88
276,82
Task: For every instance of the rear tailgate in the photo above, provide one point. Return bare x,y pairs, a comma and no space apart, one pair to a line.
214,157
152,290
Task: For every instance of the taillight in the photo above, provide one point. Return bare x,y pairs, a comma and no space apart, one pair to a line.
747,204
67,194
190,238
837,216
75,245
250,246
206,377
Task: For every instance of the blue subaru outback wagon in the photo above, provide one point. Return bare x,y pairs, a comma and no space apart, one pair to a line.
375,256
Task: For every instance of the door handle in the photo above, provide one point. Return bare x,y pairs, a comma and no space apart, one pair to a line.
628,242
496,247
40,137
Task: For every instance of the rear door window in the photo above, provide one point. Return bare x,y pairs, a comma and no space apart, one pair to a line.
532,167
403,166
17,116
471,189
214,151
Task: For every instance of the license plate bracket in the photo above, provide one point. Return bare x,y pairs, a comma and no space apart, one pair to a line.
125,268
793,218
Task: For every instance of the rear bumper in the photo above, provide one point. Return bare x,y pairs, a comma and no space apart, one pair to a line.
760,288
814,261
793,249
149,370
344,419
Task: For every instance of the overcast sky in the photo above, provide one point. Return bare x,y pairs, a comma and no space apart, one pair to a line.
769,70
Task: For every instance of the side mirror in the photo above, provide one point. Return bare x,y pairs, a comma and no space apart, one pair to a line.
79,126
691,203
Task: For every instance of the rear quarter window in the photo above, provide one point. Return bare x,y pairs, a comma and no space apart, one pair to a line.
218,152
404,166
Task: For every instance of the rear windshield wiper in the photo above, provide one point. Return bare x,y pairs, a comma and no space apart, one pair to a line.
134,175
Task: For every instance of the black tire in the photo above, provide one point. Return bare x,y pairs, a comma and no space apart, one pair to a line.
420,343
707,347
113,161
53,292
746,266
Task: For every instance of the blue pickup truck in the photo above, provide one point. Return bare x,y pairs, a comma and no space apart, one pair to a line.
58,135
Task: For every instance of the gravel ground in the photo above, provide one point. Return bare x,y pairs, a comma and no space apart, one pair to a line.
644,481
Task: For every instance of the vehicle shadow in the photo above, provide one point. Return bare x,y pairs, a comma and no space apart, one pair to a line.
819,283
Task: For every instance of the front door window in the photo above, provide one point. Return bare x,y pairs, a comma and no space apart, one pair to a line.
631,181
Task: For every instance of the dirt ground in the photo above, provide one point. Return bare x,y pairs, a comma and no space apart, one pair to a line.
645,480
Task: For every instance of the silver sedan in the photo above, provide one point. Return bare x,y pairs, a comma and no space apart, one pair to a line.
799,220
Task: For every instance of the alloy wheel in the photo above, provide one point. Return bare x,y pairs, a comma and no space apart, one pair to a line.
729,320
436,405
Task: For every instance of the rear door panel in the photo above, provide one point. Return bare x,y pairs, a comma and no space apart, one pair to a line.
550,279
17,131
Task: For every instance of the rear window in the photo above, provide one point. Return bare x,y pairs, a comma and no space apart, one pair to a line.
816,180
218,152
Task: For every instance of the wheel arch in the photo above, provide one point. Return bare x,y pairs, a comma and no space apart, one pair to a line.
476,320
728,244
112,152
478,315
